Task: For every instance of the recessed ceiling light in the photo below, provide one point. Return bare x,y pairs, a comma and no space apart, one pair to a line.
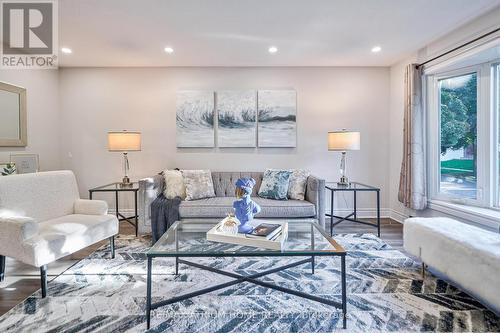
169,50
66,50
273,49
376,49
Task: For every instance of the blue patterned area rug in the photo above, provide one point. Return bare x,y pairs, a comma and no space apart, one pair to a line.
384,289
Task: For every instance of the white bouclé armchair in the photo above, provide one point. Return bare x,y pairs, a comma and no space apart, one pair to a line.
42,219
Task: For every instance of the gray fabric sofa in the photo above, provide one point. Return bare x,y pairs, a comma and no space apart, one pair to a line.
211,210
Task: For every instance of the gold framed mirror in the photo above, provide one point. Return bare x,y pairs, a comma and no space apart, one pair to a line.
13,131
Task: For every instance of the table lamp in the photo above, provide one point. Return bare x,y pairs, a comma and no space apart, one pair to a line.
124,142
343,141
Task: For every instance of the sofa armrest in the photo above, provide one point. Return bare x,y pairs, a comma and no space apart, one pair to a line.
149,189
90,207
315,193
16,230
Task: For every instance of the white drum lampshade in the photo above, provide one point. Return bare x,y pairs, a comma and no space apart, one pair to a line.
124,141
344,141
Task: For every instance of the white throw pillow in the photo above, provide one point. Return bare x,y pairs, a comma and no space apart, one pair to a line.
298,184
174,184
198,184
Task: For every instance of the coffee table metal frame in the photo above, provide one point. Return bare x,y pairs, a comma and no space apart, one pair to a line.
336,250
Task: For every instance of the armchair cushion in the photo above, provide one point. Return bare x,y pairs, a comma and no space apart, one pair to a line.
17,229
14,231
65,235
91,207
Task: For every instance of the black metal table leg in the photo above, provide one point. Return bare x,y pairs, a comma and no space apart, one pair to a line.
344,294
116,205
378,213
2,268
43,280
136,215
331,213
355,205
312,248
112,246
176,265
148,295
90,195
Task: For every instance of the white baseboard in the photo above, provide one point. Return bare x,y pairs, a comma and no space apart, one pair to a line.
398,216
364,213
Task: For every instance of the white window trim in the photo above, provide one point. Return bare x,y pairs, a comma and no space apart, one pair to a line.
486,217
433,125
495,105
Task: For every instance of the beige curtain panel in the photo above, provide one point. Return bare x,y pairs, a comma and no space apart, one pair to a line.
412,183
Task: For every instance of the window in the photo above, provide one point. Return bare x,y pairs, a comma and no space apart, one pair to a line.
463,133
458,136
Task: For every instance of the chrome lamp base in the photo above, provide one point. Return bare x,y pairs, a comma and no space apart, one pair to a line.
126,167
344,181
125,182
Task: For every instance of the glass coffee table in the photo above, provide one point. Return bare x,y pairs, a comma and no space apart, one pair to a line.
305,239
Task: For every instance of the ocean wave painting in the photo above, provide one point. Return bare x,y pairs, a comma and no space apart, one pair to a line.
277,118
195,118
236,118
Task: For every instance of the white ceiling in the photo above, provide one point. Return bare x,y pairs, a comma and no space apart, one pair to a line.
239,32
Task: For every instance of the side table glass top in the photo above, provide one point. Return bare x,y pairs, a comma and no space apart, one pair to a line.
351,187
116,187
304,238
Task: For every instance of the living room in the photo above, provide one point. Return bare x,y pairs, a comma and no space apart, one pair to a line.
384,143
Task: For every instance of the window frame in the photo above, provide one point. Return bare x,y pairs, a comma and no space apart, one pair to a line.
487,135
495,123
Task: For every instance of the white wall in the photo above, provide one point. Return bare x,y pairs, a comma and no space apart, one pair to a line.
463,34
95,100
42,112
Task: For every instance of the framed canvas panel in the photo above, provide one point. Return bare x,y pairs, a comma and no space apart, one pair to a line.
25,163
195,119
236,118
277,118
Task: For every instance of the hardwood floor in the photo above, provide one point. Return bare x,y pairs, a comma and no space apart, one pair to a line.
391,231
22,280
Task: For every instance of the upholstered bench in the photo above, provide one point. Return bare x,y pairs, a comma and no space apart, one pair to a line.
466,255
42,219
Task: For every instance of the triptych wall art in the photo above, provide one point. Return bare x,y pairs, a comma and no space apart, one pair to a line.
236,118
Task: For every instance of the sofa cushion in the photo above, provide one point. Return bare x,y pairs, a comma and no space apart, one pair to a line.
198,184
298,182
221,206
65,235
275,184
174,184
224,182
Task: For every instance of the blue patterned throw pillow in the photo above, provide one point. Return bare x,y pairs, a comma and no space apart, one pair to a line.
275,184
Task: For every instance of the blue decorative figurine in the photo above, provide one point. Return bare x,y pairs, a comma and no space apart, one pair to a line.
244,207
